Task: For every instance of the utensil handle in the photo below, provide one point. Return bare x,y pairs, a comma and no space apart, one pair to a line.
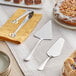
25,20
30,55
41,67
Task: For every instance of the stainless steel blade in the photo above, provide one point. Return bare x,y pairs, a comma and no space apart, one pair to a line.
55,50
45,32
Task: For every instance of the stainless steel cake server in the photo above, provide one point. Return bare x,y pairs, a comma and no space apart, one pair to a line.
45,33
22,24
54,51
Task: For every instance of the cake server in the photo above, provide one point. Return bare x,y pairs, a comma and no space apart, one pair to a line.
26,13
29,16
54,51
45,33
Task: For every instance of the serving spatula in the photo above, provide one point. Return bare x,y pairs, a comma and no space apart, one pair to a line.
54,51
45,33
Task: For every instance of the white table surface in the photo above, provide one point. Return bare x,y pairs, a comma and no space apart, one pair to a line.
58,31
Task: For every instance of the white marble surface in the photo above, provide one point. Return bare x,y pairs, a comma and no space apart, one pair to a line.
54,66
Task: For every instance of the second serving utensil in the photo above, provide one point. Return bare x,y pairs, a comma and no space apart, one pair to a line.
22,24
45,33
54,51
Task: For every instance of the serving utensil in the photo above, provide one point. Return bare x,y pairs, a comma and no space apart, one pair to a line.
54,51
17,20
29,16
45,33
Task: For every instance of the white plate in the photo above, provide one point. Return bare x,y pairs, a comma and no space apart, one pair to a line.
64,25
21,4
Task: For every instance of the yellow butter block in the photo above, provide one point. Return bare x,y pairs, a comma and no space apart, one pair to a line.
24,32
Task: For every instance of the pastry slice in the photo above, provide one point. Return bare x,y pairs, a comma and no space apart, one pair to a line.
28,2
37,1
7,0
31,2
17,1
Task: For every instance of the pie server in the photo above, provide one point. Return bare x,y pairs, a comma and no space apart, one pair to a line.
54,51
45,33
